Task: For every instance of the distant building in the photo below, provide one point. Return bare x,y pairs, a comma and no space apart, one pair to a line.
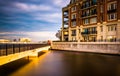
25,40
91,20
4,40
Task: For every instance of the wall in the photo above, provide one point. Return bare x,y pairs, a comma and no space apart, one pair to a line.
97,47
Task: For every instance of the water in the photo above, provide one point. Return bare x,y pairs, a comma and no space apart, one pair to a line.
61,63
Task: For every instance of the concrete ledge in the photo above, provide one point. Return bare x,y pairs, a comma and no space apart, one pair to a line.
37,51
95,47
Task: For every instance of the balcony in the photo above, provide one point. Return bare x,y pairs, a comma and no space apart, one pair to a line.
74,19
89,15
85,33
65,27
66,22
65,15
85,15
93,32
112,11
73,34
65,9
89,32
85,6
92,4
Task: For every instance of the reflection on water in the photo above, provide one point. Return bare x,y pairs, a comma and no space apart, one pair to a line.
60,63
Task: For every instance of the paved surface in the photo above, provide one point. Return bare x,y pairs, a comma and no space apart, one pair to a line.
60,63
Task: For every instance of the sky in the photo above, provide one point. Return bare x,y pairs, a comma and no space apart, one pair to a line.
35,19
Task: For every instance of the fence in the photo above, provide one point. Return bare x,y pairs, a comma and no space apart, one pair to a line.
11,48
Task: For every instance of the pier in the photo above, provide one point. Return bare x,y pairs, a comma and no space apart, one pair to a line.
13,51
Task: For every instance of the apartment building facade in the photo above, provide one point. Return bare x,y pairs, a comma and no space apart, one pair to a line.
91,20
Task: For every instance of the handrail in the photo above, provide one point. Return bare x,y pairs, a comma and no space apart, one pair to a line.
12,48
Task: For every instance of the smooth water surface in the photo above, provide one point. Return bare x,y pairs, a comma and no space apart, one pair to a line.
61,63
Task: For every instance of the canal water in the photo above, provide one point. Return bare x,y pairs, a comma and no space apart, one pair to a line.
61,63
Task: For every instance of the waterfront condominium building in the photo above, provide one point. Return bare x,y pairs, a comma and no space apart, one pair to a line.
91,20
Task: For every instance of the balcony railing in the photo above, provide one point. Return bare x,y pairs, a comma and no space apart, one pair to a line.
73,34
66,22
74,19
89,32
112,11
89,5
65,27
7,49
66,15
90,14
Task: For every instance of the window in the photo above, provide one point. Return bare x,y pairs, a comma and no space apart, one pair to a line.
86,21
93,28
73,9
93,20
111,38
112,27
112,6
73,32
73,16
86,30
93,11
112,16
74,23
94,2
87,4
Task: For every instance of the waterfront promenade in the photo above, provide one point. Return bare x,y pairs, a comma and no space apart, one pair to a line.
62,63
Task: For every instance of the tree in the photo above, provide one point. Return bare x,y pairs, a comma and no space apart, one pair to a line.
58,34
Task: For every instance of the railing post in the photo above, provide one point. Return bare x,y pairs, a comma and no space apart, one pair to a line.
6,49
19,47
0,50
13,49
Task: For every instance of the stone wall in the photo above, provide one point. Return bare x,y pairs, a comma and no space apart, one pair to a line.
97,47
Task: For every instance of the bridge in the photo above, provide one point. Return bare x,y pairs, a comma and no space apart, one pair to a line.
13,51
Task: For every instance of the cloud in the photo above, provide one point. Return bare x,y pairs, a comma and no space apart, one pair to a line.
49,17
32,7
35,36
43,16
61,3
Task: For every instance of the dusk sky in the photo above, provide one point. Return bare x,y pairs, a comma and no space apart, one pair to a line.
35,19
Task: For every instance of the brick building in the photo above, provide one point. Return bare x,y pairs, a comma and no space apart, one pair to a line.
91,20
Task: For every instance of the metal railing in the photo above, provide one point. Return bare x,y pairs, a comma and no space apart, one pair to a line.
12,48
